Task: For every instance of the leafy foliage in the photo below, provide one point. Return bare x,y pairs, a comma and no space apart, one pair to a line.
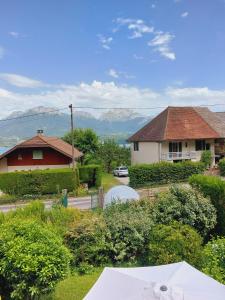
32,259
163,172
174,243
206,158
87,241
39,182
186,206
214,262
91,174
222,167
214,188
129,226
112,155
86,140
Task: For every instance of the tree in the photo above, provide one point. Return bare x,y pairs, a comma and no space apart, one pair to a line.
32,259
112,154
86,140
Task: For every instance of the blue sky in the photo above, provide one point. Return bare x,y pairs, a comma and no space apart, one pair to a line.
111,53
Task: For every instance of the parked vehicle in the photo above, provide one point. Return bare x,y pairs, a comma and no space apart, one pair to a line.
121,171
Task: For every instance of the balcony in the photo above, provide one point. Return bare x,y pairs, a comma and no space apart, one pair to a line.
169,156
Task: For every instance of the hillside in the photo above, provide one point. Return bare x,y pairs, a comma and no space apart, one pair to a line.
116,123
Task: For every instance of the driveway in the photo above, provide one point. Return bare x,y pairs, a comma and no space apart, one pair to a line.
123,180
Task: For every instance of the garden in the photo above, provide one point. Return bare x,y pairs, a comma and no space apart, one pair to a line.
59,253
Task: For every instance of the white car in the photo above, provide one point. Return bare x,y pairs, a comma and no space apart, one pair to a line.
121,171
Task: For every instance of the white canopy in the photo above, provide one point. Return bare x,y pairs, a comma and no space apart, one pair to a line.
120,193
178,281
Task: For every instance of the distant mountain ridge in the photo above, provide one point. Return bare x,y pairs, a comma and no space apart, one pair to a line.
117,123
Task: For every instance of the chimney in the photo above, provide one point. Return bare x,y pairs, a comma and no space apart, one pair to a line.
40,132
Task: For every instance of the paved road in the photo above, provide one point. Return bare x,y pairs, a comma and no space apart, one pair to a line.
81,203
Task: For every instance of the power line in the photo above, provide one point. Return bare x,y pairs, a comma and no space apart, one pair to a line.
100,108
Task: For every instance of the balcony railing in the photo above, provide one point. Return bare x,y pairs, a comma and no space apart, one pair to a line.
179,155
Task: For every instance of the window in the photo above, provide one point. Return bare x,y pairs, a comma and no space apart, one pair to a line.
20,156
136,146
201,145
37,154
175,147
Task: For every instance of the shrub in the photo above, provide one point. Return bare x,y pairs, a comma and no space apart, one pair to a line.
222,167
186,206
214,188
90,174
39,182
87,241
163,172
174,243
206,158
129,226
33,259
213,259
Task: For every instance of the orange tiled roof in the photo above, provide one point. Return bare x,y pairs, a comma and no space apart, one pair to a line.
44,141
180,123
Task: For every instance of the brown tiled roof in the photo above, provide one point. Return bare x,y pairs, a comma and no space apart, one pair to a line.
177,123
45,141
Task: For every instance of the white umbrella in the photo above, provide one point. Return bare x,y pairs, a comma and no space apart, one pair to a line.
120,193
178,281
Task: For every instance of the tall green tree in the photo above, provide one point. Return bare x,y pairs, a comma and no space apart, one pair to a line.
111,154
86,140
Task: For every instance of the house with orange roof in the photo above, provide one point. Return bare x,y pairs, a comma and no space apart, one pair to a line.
179,134
39,152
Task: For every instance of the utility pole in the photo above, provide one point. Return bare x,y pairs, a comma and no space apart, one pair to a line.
72,134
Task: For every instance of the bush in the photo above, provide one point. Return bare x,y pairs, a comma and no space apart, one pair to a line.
186,206
163,172
214,188
222,167
129,226
87,241
32,260
206,158
90,174
174,243
214,262
39,182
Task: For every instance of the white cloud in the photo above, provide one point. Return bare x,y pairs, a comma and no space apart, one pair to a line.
184,14
108,94
161,44
14,34
20,81
117,74
2,52
138,57
113,73
105,41
137,27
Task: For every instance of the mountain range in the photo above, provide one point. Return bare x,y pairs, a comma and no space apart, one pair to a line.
21,125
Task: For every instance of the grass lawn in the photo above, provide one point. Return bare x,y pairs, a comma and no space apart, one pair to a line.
108,181
75,287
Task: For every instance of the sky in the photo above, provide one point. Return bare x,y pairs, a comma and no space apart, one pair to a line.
139,53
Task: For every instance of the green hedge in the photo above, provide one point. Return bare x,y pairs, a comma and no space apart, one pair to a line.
39,182
222,167
214,188
163,172
90,174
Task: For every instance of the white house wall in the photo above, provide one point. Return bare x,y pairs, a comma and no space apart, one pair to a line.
34,167
148,153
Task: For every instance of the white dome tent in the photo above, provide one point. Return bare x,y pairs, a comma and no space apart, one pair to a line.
178,281
121,194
